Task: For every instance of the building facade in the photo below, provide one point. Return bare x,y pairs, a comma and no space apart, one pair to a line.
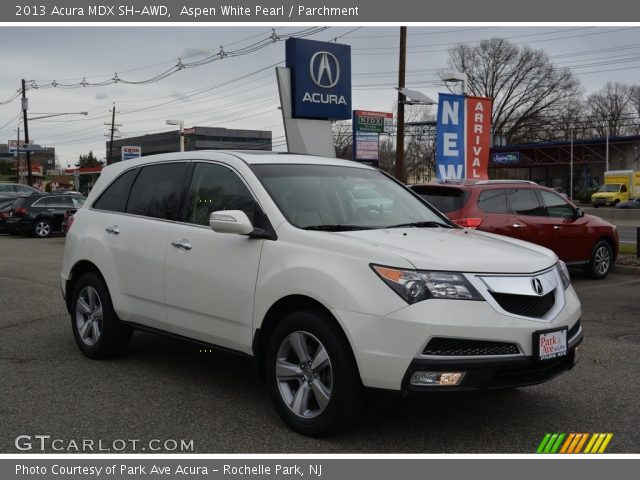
550,163
195,138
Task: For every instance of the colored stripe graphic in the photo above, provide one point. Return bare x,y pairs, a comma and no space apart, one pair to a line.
574,443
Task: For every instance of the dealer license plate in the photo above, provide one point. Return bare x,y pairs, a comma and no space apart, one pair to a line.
551,344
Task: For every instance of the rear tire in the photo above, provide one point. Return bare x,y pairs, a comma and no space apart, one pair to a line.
98,331
312,377
42,228
601,261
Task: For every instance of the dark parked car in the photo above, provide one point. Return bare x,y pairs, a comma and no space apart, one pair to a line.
633,203
41,214
5,206
11,191
528,211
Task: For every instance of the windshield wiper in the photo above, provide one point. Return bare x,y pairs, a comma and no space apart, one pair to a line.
429,224
335,228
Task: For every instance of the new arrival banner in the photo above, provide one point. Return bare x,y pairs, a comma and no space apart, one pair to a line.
463,135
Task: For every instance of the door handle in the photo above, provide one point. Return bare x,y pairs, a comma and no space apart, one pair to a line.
114,229
517,225
557,227
184,244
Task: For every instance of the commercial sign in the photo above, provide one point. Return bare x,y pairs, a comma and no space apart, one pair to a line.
379,122
366,147
320,79
463,134
478,137
13,146
450,131
505,157
131,152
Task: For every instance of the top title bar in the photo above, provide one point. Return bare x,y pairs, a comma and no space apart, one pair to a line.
314,11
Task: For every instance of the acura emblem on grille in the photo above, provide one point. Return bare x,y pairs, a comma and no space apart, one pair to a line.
536,284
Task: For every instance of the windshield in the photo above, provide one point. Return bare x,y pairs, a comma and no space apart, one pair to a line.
343,198
610,188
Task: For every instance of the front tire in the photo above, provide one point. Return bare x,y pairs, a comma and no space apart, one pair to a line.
98,331
311,374
601,261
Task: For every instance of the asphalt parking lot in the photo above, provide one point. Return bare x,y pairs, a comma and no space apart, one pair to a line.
167,389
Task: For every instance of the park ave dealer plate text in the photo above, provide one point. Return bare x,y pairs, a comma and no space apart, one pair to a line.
551,343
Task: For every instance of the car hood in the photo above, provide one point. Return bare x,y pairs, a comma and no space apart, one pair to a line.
604,194
458,249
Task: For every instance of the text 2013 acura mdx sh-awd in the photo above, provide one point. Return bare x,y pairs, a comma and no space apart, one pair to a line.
271,255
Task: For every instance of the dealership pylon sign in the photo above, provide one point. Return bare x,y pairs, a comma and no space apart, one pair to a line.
463,135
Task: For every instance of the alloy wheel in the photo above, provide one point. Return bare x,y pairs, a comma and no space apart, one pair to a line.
304,374
43,229
89,316
602,260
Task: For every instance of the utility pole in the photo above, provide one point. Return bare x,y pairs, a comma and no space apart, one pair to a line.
18,155
112,129
25,107
400,173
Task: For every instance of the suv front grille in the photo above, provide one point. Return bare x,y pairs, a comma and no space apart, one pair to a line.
464,347
525,305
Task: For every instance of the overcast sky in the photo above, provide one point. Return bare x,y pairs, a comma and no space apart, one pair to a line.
229,93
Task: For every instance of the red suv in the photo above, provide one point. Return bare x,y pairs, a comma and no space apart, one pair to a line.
528,211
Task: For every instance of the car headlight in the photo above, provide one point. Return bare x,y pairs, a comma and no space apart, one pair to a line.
564,274
417,285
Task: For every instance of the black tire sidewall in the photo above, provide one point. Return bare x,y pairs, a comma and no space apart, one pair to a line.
346,395
115,336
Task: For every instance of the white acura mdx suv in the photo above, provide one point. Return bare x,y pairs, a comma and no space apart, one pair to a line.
272,255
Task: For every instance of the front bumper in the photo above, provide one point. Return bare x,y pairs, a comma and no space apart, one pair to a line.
494,373
387,347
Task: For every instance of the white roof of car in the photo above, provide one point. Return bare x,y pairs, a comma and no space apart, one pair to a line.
252,157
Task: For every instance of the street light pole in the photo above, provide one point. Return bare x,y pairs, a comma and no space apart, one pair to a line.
571,169
181,123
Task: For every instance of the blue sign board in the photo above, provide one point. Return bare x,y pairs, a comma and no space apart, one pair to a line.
505,157
320,79
450,132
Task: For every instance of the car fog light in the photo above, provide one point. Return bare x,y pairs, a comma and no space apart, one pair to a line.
442,379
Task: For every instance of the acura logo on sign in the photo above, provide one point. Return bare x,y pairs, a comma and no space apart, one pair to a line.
324,69
536,284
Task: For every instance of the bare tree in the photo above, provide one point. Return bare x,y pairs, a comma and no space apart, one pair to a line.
610,111
343,139
529,93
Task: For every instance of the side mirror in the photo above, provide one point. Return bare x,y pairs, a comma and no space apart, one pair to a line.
579,213
230,221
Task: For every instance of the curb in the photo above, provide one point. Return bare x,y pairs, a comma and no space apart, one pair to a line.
626,270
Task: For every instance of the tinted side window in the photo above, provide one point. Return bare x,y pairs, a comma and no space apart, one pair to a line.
493,201
444,199
6,188
556,205
215,187
114,198
156,191
524,201
623,189
57,202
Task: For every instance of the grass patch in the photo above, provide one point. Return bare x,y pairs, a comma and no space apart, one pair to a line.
629,248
